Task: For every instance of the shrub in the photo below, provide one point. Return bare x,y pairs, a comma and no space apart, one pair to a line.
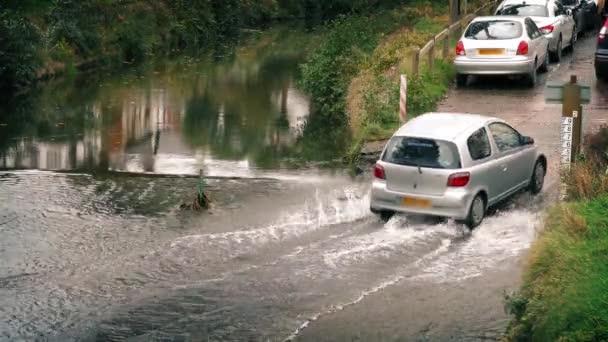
19,58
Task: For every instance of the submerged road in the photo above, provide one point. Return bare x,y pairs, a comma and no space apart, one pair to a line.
300,257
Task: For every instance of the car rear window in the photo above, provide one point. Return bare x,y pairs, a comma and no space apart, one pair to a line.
525,10
494,30
410,151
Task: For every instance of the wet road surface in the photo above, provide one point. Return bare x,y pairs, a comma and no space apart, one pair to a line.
112,258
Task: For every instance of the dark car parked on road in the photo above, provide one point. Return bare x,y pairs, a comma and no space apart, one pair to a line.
601,54
585,13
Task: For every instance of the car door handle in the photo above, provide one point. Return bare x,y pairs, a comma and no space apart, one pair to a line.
504,167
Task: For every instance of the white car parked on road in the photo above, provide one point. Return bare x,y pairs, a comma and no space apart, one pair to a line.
454,165
552,18
501,45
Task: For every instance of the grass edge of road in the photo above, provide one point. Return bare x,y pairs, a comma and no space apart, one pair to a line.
564,296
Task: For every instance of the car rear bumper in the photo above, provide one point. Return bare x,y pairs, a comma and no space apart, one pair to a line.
454,203
468,66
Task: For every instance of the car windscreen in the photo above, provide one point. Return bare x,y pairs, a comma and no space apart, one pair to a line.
525,10
569,2
494,30
422,152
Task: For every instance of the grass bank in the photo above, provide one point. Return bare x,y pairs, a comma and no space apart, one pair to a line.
39,38
353,76
564,296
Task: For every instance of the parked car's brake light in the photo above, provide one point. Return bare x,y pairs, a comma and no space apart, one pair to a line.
604,32
460,49
522,49
458,180
547,29
379,172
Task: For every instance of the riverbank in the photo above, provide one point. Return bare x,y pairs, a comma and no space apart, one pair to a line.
44,38
353,76
564,296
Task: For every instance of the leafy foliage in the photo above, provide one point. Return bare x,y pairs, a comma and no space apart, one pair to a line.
19,59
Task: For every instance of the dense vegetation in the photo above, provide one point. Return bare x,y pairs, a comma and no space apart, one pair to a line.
565,291
354,74
41,37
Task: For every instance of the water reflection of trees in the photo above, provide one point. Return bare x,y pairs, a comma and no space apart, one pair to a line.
242,108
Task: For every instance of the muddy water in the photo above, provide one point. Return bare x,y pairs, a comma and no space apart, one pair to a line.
79,266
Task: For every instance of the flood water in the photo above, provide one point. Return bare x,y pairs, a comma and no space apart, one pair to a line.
229,113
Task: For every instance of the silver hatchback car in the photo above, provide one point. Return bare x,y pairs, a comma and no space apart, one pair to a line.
454,165
501,45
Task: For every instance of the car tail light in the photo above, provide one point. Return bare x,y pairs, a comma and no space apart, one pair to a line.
458,180
522,49
604,32
547,29
379,172
460,49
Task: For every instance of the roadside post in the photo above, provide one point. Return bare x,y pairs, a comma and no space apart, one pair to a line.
571,96
403,99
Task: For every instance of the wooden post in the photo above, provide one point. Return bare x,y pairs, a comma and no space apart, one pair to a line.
403,99
446,43
571,129
416,62
431,56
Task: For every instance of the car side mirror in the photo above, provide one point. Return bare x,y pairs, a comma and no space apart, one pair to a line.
525,140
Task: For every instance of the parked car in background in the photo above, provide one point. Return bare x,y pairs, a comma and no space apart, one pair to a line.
601,54
501,45
584,12
454,165
552,18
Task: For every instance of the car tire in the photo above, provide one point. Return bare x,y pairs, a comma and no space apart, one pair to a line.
462,80
477,211
538,177
386,215
556,56
532,77
573,40
545,66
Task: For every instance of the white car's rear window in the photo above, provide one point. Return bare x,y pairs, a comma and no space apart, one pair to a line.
494,30
422,152
525,10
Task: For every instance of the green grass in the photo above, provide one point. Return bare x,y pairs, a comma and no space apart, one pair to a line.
565,291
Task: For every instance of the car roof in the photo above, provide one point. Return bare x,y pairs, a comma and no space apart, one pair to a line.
529,2
444,126
501,17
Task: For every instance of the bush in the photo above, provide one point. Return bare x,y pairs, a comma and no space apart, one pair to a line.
19,59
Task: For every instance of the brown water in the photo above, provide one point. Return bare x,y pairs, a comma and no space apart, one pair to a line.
229,113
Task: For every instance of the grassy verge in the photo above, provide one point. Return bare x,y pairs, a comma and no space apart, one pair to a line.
565,292
353,76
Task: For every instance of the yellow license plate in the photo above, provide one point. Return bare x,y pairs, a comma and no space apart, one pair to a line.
415,202
491,52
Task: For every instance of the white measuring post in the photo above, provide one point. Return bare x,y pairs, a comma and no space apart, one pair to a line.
566,151
403,99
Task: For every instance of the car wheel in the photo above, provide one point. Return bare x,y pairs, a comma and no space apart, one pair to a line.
538,178
461,80
386,215
573,39
477,212
557,54
545,66
532,77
